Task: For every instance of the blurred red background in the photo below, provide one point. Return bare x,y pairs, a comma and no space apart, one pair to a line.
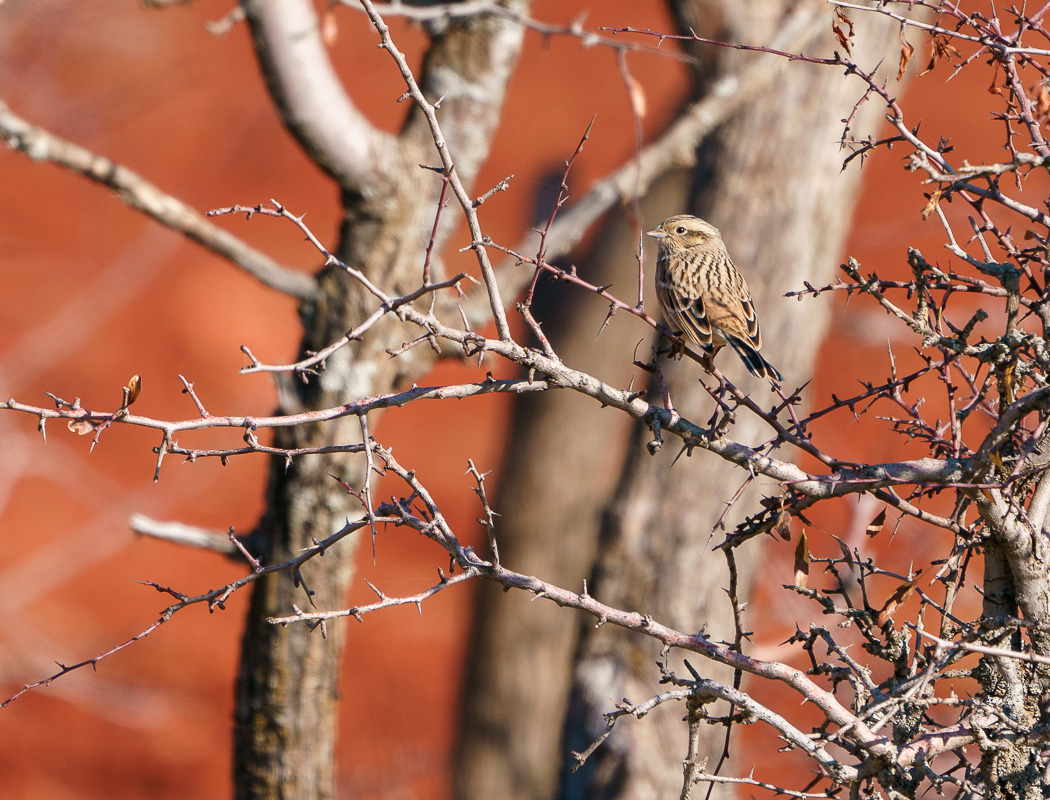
94,293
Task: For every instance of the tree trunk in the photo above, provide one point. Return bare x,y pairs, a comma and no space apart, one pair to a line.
771,180
520,670
285,727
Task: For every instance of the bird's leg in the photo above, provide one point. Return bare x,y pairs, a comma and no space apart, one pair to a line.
667,346
708,356
678,347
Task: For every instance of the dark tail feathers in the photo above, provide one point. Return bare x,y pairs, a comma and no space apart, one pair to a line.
753,360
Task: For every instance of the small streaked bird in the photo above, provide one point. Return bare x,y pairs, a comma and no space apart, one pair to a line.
702,293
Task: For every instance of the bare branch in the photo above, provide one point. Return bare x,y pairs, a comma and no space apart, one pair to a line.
186,535
358,612
458,189
312,101
139,194
971,647
216,598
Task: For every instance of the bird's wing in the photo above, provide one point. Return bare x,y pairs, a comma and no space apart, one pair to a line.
687,313
731,308
750,317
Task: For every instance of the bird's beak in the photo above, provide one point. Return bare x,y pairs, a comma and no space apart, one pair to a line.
656,233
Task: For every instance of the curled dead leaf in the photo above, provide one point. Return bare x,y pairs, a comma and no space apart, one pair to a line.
943,45
994,87
783,524
931,206
845,37
940,47
82,427
1042,101
801,561
134,388
907,51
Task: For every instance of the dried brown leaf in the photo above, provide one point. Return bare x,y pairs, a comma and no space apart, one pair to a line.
1042,101
134,388
875,526
897,599
801,561
943,45
940,47
931,206
994,88
82,427
844,37
783,524
907,51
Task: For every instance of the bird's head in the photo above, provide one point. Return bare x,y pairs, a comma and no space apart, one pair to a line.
683,232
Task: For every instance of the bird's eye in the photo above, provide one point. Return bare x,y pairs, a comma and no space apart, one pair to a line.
680,229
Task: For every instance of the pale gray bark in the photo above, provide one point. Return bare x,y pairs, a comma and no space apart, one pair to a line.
773,184
286,696
554,487
770,179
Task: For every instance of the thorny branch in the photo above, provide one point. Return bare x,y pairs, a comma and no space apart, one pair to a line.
880,723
